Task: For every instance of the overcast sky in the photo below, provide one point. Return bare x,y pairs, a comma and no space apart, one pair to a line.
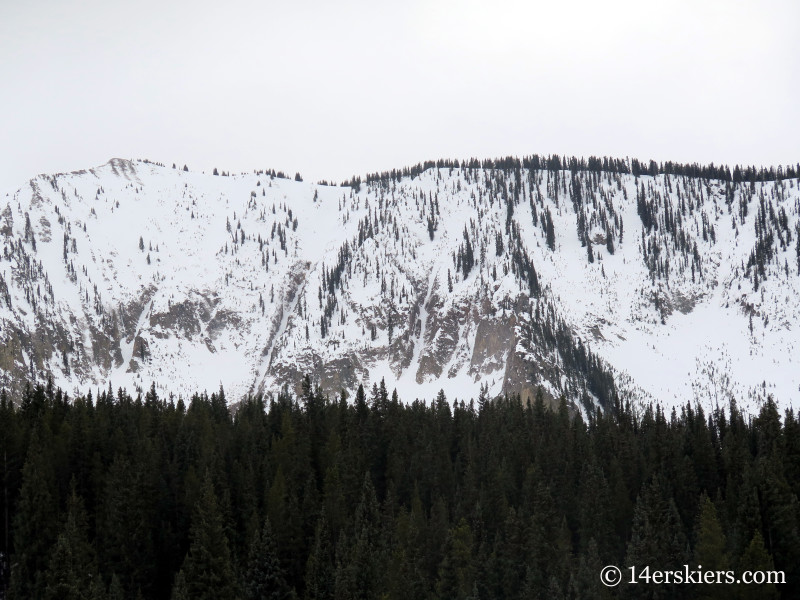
333,89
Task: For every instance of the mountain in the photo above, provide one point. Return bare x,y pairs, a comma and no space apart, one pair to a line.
597,279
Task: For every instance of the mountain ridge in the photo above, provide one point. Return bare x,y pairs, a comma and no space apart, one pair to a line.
452,275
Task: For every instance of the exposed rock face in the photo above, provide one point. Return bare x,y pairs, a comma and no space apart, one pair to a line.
495,341
519,280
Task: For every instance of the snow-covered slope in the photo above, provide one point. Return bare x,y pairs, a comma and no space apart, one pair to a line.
582,282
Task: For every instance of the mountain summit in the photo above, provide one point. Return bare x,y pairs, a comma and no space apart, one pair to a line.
598,279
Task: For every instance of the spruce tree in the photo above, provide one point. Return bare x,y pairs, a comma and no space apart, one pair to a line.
359,570
180,590
320,579
72,567
584,582
207,568
125,526
264,578
457,571
657,539
115,590
35,522
550,232
710,550
756,558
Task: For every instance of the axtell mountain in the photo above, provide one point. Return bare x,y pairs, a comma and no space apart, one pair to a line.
599,279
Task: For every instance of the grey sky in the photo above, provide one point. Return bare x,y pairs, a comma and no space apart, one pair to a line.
333,89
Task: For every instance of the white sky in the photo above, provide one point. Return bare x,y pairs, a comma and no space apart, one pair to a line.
333,89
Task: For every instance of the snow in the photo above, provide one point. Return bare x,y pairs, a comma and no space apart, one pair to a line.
198,303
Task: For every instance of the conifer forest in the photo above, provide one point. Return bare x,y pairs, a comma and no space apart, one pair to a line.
310,496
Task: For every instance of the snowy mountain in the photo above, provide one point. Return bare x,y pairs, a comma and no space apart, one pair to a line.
591,279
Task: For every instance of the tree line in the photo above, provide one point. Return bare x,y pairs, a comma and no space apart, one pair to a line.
595,164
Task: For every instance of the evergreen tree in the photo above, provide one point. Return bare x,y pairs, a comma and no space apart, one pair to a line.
584,582
710,550
35,521
264,577
115,591
360,566
756,558
406,575
550,232
72,568
180,590
457,571
657,540
207,569
125,527
320,580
